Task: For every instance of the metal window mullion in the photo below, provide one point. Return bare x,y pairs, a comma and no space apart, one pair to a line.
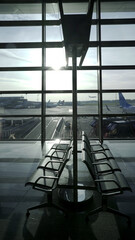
99,72
43,79
75,165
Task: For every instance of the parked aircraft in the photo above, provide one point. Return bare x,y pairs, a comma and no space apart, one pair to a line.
50,104
127,108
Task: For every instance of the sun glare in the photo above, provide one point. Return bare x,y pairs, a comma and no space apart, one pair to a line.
55,58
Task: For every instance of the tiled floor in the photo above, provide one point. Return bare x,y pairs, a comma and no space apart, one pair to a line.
18,161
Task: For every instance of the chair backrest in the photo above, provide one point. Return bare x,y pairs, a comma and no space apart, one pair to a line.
85,138
87,159
66,158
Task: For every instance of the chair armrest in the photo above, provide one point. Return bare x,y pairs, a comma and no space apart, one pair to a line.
45,177
51,161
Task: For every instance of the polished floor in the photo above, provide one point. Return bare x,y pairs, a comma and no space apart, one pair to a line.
19,160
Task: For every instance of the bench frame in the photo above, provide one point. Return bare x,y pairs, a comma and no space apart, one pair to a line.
96,178
49,190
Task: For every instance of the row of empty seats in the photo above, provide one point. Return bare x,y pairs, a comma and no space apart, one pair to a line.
48,173
105,172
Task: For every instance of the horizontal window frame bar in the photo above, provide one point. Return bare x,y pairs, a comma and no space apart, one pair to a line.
29,23
108,67
26,45
20,116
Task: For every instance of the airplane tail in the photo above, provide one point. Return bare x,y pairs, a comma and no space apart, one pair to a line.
123,102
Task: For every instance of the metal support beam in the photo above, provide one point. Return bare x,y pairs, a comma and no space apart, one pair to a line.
75,165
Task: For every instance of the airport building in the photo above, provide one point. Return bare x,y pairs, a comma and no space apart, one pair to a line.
67,81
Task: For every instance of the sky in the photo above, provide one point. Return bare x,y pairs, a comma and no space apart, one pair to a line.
10,57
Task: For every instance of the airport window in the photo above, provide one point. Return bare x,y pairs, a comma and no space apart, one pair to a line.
37,83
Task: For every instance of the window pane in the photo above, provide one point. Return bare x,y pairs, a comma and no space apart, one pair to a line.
118,56
59,104
91,57
93,33
23,104
58,127
86,80
115,103
20,80
20,57
118,9
54,34
52,11
20,34
58,80
14,128
87,103
55,58
20,12
119,127
117,32
75,8
89,125
117,79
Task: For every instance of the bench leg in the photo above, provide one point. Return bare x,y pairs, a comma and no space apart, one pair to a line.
92,212
119,213
44,205
36,207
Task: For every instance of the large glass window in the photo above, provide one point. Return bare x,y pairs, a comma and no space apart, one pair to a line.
36,81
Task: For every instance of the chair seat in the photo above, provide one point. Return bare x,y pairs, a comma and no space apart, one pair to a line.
99,147
103,155
107,187
108,165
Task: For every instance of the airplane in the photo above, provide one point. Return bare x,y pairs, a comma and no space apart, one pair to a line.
127,108
50,104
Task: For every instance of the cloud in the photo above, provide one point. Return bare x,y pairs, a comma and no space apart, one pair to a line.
9,54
